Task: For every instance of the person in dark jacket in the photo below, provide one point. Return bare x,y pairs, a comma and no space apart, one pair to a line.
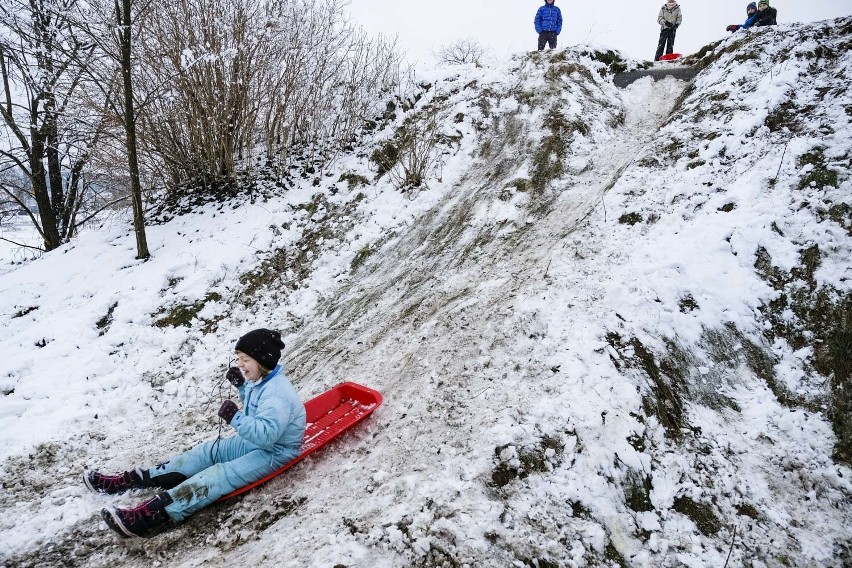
269,432
766,15
548,24
751,17
669,19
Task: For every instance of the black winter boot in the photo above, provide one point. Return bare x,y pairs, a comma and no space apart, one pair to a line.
146,520
111,484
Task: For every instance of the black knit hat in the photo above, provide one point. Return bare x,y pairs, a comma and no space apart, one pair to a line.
262,345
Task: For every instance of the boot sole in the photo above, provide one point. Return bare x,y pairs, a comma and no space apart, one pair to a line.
89,483
115,524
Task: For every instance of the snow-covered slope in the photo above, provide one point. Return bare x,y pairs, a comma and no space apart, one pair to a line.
609,332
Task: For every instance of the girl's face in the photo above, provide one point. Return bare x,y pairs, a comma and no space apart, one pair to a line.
248,367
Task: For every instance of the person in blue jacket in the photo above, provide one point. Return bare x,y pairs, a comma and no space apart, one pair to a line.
751,17
269,433
548,24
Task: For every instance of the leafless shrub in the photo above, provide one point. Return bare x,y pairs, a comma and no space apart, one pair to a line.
253,82
417,140
412,154
462,52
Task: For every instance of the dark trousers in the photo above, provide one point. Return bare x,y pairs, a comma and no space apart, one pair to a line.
546,38
667,35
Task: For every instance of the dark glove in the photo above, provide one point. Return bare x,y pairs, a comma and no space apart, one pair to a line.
227,411
235,377
732,28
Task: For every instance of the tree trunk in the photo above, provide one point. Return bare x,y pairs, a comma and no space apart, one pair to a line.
49,230
125,35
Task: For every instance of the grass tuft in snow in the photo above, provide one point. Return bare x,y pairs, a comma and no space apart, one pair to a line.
664,398
548,160
637,491
631,218
788,116
612,59
518,462
840,213
322,222
104,323
360,258
699,513
817,173
183,315
832,358
22,312
558,70
687,304
804,314
666,402
385,157
614,556
268,272
353,180
746,510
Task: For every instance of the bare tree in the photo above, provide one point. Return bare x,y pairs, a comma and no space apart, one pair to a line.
112,28
124,39
462,52
49,136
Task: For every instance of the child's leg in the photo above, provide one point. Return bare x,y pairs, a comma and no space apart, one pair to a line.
670,47
219,479
551,41
661,45
181,467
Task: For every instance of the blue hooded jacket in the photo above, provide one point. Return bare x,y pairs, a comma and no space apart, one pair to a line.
273,416
750,20
548,19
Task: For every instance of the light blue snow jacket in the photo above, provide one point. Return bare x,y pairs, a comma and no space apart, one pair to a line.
273,416
548,19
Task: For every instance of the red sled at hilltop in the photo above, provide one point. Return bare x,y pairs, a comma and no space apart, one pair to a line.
670,57
328,416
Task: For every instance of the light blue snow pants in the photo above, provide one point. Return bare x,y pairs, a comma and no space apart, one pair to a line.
215,469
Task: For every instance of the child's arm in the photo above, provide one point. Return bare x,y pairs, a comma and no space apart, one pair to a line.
267,424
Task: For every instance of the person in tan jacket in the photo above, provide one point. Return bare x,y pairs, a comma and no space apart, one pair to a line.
669,19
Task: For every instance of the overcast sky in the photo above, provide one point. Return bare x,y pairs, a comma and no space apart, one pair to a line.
506,26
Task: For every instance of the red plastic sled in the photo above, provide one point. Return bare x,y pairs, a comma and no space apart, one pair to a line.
670,57
328,415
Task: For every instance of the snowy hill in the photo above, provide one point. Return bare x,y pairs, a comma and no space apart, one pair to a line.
611,329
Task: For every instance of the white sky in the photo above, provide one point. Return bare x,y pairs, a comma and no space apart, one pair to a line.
506,26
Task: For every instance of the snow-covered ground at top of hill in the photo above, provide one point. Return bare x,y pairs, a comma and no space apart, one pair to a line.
577,253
